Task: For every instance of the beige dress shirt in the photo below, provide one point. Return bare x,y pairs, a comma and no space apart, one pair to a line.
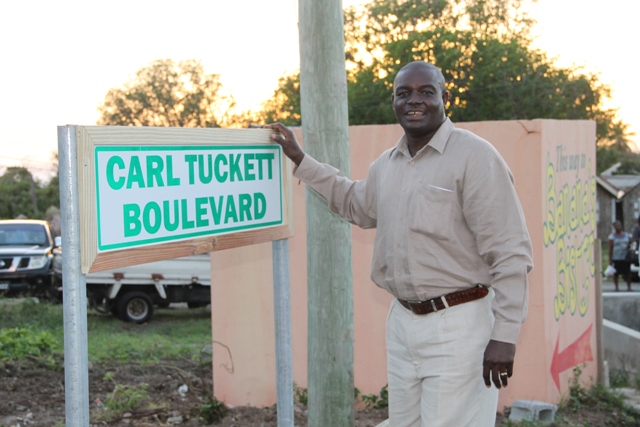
447,219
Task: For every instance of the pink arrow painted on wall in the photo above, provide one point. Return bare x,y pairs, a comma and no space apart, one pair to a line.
576,353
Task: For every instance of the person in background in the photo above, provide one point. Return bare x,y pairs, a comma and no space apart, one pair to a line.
451,246
619,243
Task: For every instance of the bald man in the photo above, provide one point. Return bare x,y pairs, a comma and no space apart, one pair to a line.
451,246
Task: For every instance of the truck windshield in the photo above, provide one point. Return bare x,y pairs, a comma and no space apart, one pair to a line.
22,234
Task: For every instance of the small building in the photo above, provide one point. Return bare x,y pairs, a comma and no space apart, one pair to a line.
618,199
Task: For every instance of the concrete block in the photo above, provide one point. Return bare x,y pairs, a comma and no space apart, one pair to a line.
533,410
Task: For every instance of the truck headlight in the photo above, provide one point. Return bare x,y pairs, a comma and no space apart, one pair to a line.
38,261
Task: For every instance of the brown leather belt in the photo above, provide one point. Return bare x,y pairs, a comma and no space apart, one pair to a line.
444,301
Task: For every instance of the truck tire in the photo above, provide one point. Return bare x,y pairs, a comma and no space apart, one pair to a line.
135,307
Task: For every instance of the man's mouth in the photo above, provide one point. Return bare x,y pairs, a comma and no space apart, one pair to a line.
415,113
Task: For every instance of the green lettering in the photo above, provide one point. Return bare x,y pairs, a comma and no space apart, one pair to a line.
186,223
171,181
111,164
155,166
259,206
135,173
168,224
205,176
191,159
248,167
152,226
269,157
221,159
245,206
201,211
234,167
132,224
216,210
230,212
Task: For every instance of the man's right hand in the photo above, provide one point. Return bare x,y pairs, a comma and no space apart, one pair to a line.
287,141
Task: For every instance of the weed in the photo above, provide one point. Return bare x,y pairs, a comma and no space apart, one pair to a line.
301,395
598,398
380,401
20,343
213,412
124,398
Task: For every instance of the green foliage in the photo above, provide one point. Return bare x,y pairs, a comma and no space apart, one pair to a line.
485,52
171,334
19,343
166,93
18,194
284,107
22,194
377,401
124,398
600,398
213,412
301,395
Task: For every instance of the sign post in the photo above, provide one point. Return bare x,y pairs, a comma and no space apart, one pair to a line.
136,195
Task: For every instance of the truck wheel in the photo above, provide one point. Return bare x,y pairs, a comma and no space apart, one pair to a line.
135,307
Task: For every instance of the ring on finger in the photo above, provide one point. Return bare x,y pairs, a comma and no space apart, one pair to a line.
503,374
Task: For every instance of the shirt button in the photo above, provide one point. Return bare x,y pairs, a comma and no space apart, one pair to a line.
411,162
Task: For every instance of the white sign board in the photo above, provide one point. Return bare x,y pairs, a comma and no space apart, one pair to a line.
148,194
154,194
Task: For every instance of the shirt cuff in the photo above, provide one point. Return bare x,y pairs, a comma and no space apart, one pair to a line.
306,169
505,331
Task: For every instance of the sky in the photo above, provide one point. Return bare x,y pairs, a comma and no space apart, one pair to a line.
59,59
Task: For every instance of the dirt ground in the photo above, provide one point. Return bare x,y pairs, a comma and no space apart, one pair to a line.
33,395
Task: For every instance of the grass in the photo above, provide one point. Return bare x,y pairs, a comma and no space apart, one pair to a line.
597,399
170,334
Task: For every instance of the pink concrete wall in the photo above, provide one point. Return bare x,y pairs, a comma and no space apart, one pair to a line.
242,296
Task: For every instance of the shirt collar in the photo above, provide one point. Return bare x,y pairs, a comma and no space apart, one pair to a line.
438,141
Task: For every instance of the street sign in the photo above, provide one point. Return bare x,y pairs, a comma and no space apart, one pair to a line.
148,194
154,194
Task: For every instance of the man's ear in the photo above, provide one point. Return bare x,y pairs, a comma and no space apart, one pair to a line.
445,97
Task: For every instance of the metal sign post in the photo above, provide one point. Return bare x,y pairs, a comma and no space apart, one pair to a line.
74,290
129,173
282,309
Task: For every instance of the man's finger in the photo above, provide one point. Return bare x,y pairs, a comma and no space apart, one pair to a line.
495,374
503,376
485,375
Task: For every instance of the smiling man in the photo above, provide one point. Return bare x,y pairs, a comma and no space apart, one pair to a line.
451,246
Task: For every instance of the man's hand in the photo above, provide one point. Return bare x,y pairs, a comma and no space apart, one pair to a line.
498,363
287,141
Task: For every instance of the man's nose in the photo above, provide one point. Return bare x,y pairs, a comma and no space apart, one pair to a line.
414,98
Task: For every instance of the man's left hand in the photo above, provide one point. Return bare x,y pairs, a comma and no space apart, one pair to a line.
498,363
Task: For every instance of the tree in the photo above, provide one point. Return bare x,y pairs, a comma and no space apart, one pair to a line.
484,50
166,93
18,194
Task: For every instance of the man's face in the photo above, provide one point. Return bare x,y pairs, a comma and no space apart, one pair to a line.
418,100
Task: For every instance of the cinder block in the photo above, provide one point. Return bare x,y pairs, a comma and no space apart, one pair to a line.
533,410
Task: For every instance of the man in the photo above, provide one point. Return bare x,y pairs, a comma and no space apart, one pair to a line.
448,219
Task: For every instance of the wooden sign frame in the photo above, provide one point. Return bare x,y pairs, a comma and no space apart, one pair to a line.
90,137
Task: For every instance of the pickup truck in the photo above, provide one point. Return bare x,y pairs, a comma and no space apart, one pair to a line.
31,263
131,293
26,255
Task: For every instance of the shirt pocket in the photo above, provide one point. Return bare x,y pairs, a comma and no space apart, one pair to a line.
433,212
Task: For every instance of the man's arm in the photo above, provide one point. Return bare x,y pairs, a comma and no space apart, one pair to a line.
494,215
355,201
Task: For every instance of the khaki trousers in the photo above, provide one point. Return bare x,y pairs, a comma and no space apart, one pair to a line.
434,365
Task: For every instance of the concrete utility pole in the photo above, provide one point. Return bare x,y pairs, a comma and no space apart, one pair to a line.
325,129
